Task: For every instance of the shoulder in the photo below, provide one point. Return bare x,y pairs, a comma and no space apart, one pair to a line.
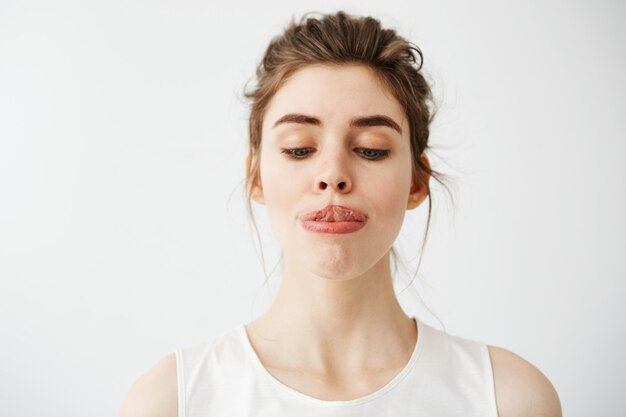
521,389
155,393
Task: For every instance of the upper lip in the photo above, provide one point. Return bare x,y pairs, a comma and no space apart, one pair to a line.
331,211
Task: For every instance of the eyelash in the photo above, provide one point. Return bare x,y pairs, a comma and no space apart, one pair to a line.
381,153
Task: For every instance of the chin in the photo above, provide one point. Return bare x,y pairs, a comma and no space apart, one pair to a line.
338,267
336,261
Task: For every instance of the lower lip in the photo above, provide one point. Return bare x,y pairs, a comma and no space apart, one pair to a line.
332,227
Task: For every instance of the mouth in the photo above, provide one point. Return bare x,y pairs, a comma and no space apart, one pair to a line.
334,213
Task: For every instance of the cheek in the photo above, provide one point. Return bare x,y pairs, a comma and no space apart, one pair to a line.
392,197
392,186
389,195
279,181
282,195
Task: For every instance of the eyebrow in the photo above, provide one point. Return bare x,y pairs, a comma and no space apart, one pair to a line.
367,121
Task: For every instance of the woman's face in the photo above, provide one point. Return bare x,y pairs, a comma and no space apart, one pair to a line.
354,151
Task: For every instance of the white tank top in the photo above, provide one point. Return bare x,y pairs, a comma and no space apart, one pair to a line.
446,376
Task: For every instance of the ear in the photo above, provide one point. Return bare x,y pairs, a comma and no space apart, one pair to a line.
419,190
256,193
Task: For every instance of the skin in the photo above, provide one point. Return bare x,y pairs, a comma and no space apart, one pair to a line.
335,329
336,303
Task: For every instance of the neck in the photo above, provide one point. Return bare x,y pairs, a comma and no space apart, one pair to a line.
331,321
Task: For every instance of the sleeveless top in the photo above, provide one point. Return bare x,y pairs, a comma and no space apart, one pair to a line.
446,376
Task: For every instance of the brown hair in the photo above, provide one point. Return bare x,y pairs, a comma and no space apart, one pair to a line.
339,39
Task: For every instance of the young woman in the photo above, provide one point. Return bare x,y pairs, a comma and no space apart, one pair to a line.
339,127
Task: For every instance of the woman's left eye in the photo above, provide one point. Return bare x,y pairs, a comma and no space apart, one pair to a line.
373,154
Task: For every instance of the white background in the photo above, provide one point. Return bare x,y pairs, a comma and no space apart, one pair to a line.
123,233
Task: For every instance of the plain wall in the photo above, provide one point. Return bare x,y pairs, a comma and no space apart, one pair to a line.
123,231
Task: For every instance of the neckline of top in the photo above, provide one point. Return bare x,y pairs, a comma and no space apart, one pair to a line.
353,402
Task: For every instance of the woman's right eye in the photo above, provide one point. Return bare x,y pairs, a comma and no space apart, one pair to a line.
296,153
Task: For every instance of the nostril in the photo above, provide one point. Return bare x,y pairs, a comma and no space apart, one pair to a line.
323,185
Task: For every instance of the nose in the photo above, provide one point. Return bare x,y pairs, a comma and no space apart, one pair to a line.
334,177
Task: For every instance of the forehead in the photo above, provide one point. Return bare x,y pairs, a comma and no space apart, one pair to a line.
334,94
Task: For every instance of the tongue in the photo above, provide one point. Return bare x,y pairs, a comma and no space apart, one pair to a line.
336,215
